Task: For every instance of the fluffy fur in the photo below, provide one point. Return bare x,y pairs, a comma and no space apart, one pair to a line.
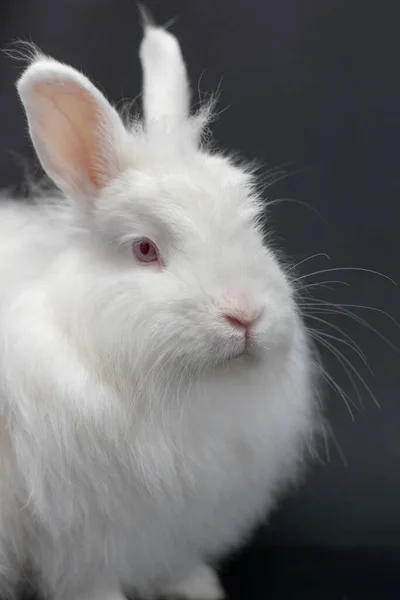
138,438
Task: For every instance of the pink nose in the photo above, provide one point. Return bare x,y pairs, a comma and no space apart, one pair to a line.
243,321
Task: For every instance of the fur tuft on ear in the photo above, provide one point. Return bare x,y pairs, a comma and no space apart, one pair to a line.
166,93
78,136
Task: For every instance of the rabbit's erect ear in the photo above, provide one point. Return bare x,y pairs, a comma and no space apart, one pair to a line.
166,93
78,136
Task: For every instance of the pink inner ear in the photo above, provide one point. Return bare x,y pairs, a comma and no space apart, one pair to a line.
73,124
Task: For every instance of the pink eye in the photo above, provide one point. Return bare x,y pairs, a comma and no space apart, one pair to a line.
145,251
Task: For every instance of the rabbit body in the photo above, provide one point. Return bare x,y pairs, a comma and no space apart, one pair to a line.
139,438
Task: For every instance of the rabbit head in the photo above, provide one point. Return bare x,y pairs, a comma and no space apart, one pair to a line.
172,264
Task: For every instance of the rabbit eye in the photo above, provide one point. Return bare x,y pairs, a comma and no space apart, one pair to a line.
145,251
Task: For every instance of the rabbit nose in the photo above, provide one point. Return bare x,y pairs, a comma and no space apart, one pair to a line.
243,320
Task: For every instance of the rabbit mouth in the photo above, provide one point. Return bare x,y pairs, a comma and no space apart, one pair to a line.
249,350
242,347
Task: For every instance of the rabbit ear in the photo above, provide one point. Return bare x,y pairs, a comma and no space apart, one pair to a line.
77,134
166,94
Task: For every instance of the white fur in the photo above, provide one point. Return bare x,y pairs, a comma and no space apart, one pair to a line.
134,446
202,584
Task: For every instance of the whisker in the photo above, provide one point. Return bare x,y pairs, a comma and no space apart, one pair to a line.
351,343
340,356
337,355
322,254
322,284
280,166
330,432
357,269
328,308
336,387
293,200
286,176
361,306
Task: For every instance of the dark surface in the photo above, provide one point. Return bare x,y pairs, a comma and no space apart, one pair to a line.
316,82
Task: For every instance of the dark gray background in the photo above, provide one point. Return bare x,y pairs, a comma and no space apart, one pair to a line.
315,82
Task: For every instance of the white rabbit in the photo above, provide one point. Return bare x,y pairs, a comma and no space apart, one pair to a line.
157,386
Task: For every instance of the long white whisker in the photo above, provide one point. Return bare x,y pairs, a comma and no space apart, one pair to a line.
339,357
286,176
361,306
293,200
328,308
358,269
352,343
336,387
350,365
319,254
337,445
322,284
